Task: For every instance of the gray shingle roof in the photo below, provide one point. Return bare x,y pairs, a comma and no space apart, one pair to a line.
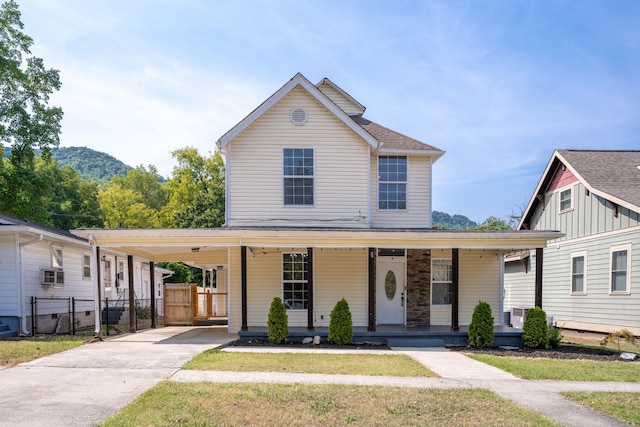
391,138
8,220
611,172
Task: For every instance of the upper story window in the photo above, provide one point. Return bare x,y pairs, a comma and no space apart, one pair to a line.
620,277
565,200
392,182
298,176
579,273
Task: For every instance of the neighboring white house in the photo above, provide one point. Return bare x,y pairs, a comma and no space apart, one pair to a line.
45,262
321,204
591,274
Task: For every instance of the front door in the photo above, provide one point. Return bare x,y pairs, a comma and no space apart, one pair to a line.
390,290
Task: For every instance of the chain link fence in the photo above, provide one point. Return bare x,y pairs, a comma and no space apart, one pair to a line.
73,315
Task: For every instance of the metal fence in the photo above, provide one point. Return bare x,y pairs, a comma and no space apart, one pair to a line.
73,315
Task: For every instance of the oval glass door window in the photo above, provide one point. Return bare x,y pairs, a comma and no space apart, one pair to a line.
390,285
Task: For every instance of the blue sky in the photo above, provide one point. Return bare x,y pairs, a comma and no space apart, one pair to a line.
498,85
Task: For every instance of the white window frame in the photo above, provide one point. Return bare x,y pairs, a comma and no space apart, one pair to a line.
285,177
560,200
574,255
294,282
434,282
86,274
620,248
57,262
405,183
106,275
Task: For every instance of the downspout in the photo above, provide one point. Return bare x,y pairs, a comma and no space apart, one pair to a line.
23,318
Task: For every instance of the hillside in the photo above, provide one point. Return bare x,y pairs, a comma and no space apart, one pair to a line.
445,221
91,164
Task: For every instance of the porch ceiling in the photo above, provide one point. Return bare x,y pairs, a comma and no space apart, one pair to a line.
209,246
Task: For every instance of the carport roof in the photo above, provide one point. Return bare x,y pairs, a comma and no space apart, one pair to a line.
199,244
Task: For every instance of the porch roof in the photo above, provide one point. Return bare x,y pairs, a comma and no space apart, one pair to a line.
209,245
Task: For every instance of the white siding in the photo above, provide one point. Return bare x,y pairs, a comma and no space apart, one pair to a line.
9,287
479,281
256,174
338,273
344,103
519,285
418,213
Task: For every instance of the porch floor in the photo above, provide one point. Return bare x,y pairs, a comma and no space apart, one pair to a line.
396,335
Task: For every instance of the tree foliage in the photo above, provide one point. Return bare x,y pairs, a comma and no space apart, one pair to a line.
535,332
196,191
26,120
341,324
90,164
444,221
277,322
481,327
493,223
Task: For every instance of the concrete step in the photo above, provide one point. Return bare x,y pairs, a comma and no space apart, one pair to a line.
5,332
3,327
210,322
415,342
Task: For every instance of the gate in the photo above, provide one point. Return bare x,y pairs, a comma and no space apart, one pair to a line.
184,305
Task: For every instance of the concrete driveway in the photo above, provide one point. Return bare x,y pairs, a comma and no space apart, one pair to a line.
90,383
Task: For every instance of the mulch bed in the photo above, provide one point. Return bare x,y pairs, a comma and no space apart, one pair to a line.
263,343
561,352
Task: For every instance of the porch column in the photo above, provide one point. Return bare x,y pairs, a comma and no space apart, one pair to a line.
538,290
309,289
454,289
97,283
132,295
243,291
152,280
372,290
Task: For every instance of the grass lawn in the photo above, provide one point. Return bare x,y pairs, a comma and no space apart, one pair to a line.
200,404
24,350
625,406
351,364
590,342
561,369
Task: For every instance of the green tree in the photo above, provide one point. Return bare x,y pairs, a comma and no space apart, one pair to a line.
123,208
481,327
148,185
196,191
277,322
26,120
493,223
341,324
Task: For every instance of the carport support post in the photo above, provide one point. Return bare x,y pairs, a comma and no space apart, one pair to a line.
372,290
309,289
455,262
538,290
132,295
152,280
243,291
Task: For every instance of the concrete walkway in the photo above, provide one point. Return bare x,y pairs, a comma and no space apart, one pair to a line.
88,384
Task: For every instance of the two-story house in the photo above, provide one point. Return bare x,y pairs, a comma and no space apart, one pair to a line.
592,273
324,204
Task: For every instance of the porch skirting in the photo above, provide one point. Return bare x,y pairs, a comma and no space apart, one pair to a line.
396,336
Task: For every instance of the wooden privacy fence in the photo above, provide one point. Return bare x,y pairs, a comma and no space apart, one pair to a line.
185,305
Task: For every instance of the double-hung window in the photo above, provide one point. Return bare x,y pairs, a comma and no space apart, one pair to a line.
441,279
86,266
392,182
56,257
579,273
298,176
565,200
295,281
620,280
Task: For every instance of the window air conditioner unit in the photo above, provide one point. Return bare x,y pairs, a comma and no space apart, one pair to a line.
518,314
51,277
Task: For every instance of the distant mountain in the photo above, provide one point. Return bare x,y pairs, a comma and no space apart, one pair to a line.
445,221
91,164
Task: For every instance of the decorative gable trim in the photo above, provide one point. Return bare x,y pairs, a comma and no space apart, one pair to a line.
359,108
297,80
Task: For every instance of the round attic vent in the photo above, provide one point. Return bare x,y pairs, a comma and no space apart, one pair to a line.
298,116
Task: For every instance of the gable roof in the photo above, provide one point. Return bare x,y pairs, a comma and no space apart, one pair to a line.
380,138
358,107
13,224
612,174
297,80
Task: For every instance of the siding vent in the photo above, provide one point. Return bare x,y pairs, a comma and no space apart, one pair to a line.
298,116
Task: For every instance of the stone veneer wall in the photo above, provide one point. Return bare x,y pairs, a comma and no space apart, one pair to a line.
418,287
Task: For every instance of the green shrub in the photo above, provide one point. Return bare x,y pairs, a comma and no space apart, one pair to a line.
340,325
278,323
535,332
555,336
481,326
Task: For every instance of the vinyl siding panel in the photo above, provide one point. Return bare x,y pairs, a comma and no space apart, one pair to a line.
9,287
340,100
479,281
341,164
519,284
418,213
